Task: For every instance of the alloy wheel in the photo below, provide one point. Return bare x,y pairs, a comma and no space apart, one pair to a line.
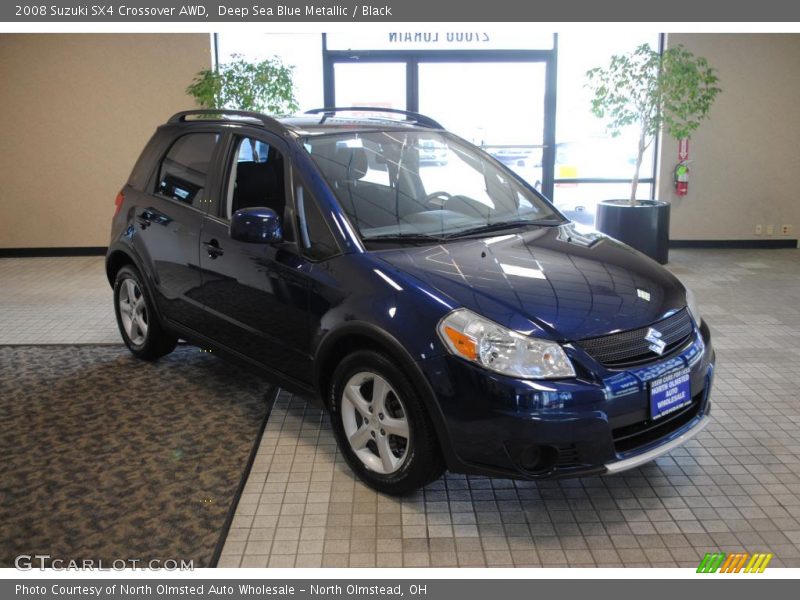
133,311
375,423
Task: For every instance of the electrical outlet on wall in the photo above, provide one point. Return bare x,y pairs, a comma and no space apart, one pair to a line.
786,230
770,229
759,229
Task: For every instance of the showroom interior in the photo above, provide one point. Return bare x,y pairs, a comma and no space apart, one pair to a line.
192,458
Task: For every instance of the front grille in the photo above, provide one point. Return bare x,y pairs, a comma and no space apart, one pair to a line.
638,434
630,348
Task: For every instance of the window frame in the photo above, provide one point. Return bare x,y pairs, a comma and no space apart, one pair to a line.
299,181
235,138
210,189
230,143
653,165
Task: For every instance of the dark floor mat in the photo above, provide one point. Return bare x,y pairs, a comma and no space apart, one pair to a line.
106,457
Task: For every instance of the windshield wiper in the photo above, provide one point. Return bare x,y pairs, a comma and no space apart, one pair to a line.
404,237
491,227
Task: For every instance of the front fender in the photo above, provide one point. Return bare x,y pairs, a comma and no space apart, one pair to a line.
326,356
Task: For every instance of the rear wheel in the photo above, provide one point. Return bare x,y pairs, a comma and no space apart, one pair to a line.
137,321
382,426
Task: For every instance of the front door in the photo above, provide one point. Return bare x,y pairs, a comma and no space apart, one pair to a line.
256,295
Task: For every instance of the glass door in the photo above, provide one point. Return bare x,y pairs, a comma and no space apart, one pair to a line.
378,84
501,100
499,106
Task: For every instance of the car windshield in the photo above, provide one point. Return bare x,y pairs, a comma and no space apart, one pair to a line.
417,185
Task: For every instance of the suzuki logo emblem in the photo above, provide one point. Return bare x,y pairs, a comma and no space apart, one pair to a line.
657,345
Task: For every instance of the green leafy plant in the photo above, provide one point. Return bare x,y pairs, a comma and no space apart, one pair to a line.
264,86
672,92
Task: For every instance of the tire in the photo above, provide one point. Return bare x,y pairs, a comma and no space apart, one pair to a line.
394,448
137,320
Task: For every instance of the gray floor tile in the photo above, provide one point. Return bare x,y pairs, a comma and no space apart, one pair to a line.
736,486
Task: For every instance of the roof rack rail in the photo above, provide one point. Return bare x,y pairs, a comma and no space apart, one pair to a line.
265,120
410,116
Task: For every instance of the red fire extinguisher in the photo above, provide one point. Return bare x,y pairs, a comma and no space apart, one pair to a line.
682,178
681,174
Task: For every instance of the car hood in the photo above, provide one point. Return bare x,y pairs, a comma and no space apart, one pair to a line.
557,282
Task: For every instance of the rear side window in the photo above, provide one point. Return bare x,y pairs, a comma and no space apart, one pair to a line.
184,170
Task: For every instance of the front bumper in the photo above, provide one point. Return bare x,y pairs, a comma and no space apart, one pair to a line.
596,423
645,457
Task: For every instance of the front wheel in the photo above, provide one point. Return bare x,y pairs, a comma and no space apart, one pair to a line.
382,426
137,320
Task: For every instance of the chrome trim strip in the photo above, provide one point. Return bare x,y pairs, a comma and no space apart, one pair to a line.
646,457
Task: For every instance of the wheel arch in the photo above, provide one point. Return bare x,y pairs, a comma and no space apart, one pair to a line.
117,259
121,255
359,336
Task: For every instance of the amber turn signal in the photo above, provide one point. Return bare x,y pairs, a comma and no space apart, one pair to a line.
464,344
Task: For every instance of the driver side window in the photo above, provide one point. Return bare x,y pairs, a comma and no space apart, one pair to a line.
256,178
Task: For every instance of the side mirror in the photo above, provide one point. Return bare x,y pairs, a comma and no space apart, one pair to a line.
257,225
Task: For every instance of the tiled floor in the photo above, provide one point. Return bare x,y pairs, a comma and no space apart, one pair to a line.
56,300
735,487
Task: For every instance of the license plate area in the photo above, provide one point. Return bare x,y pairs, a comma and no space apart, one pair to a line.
670,393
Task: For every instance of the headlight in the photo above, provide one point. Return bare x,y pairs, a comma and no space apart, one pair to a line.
494,347
691,304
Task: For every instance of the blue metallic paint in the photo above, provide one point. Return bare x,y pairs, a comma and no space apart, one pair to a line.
553,282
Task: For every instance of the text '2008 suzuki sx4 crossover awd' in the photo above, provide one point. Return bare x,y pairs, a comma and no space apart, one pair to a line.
445,313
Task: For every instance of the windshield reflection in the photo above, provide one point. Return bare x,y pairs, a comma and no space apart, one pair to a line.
423,186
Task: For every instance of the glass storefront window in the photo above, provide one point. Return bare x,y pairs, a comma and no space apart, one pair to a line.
584,150
375,84
509,125
497,105
303,51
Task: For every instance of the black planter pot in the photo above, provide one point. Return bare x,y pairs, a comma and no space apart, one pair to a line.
644,226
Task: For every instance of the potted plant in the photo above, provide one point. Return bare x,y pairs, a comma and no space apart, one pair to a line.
672,92
263,86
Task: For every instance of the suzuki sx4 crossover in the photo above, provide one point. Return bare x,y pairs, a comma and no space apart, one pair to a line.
443,311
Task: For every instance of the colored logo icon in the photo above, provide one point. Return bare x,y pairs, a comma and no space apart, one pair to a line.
738,562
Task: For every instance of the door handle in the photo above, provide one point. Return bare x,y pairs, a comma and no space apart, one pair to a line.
213,249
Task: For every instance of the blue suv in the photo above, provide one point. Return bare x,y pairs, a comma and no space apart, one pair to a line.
444,312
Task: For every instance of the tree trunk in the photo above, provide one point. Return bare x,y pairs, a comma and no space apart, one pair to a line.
639,156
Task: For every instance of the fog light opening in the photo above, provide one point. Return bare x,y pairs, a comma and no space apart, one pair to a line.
537,459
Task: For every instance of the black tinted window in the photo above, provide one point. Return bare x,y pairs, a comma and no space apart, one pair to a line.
315,237
185,168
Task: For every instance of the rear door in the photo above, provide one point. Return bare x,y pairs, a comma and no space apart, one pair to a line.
168,220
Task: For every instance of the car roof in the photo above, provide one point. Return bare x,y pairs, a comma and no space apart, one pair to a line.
316,122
